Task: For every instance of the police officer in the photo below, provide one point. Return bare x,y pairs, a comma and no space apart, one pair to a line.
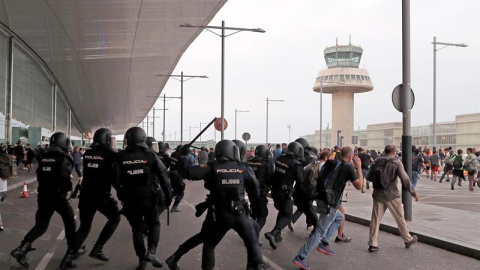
137,168
262,166
288,172
161,198
98,178
310,153
179,162
303,203
227,179
53,175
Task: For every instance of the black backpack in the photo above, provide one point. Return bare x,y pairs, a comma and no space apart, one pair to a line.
376,178
457,162
8,166
329,190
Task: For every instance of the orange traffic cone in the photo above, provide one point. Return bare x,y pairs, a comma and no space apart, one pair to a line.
25,191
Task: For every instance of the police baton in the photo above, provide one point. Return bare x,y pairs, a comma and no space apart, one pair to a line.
201,132
168,215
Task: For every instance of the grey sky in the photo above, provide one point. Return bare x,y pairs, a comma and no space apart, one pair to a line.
283,64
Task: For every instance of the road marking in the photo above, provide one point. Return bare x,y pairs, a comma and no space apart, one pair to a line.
46,259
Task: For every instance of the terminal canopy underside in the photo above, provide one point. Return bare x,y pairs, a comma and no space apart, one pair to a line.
105,54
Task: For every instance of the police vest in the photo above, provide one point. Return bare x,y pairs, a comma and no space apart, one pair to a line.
98,171
53,173
136,169
259,167
228,183
284,174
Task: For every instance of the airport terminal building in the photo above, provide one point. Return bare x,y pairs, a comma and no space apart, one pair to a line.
459,134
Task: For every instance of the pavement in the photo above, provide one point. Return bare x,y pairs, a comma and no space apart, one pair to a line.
444,218
18,218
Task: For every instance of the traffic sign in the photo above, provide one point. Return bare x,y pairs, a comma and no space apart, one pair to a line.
246,136
396,98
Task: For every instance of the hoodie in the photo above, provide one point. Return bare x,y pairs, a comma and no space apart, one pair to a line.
393,173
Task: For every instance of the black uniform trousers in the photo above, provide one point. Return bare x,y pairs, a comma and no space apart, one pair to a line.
262,218
199,238
305,206
88,206
242,225
140,209
47,205
284,204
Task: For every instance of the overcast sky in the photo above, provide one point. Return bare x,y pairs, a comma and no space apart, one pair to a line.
283,63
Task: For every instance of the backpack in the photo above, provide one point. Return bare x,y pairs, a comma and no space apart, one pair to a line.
448,161
457,162
376,176
415,162
329,193
310,178
8,166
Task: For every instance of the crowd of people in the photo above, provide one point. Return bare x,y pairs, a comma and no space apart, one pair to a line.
293,174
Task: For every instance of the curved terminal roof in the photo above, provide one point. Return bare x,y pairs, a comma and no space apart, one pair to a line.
105,53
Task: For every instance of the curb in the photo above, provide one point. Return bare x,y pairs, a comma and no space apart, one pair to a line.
424,238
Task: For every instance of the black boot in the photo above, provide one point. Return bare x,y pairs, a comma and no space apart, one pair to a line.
20,254
150,257
142,264
68,260
172,262
271,237
97,253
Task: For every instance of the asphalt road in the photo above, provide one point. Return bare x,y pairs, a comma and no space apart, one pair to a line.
18,218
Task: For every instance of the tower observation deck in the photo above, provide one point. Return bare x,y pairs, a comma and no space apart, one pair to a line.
343,78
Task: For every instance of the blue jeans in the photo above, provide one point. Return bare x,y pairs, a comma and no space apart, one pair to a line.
414,179
327,225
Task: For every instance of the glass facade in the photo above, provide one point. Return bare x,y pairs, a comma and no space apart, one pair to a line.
32,92
32,95
343,56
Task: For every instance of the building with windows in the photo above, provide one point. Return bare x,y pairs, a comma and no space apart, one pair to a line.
343,78
462,133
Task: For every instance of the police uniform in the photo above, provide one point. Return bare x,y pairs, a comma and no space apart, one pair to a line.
53,175
227,179
304,205
288,173
138,168
98,164
263,170
179,162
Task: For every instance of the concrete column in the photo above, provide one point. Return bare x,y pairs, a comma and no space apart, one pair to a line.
9,94
342,116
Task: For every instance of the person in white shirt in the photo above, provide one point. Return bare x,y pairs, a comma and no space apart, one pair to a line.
3,195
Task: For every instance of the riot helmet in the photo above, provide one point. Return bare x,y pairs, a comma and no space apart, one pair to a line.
296,149
185,150
303,142
262,151
103,136
242,148
227,150
161,146
60,141
149,141
179,148
136,136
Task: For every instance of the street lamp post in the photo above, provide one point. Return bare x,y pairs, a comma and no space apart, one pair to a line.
190,136
183,78
223,36
268,102
164,109
236,112
435,42
289,131
201,128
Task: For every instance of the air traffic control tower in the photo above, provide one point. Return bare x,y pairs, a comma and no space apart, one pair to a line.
343,78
